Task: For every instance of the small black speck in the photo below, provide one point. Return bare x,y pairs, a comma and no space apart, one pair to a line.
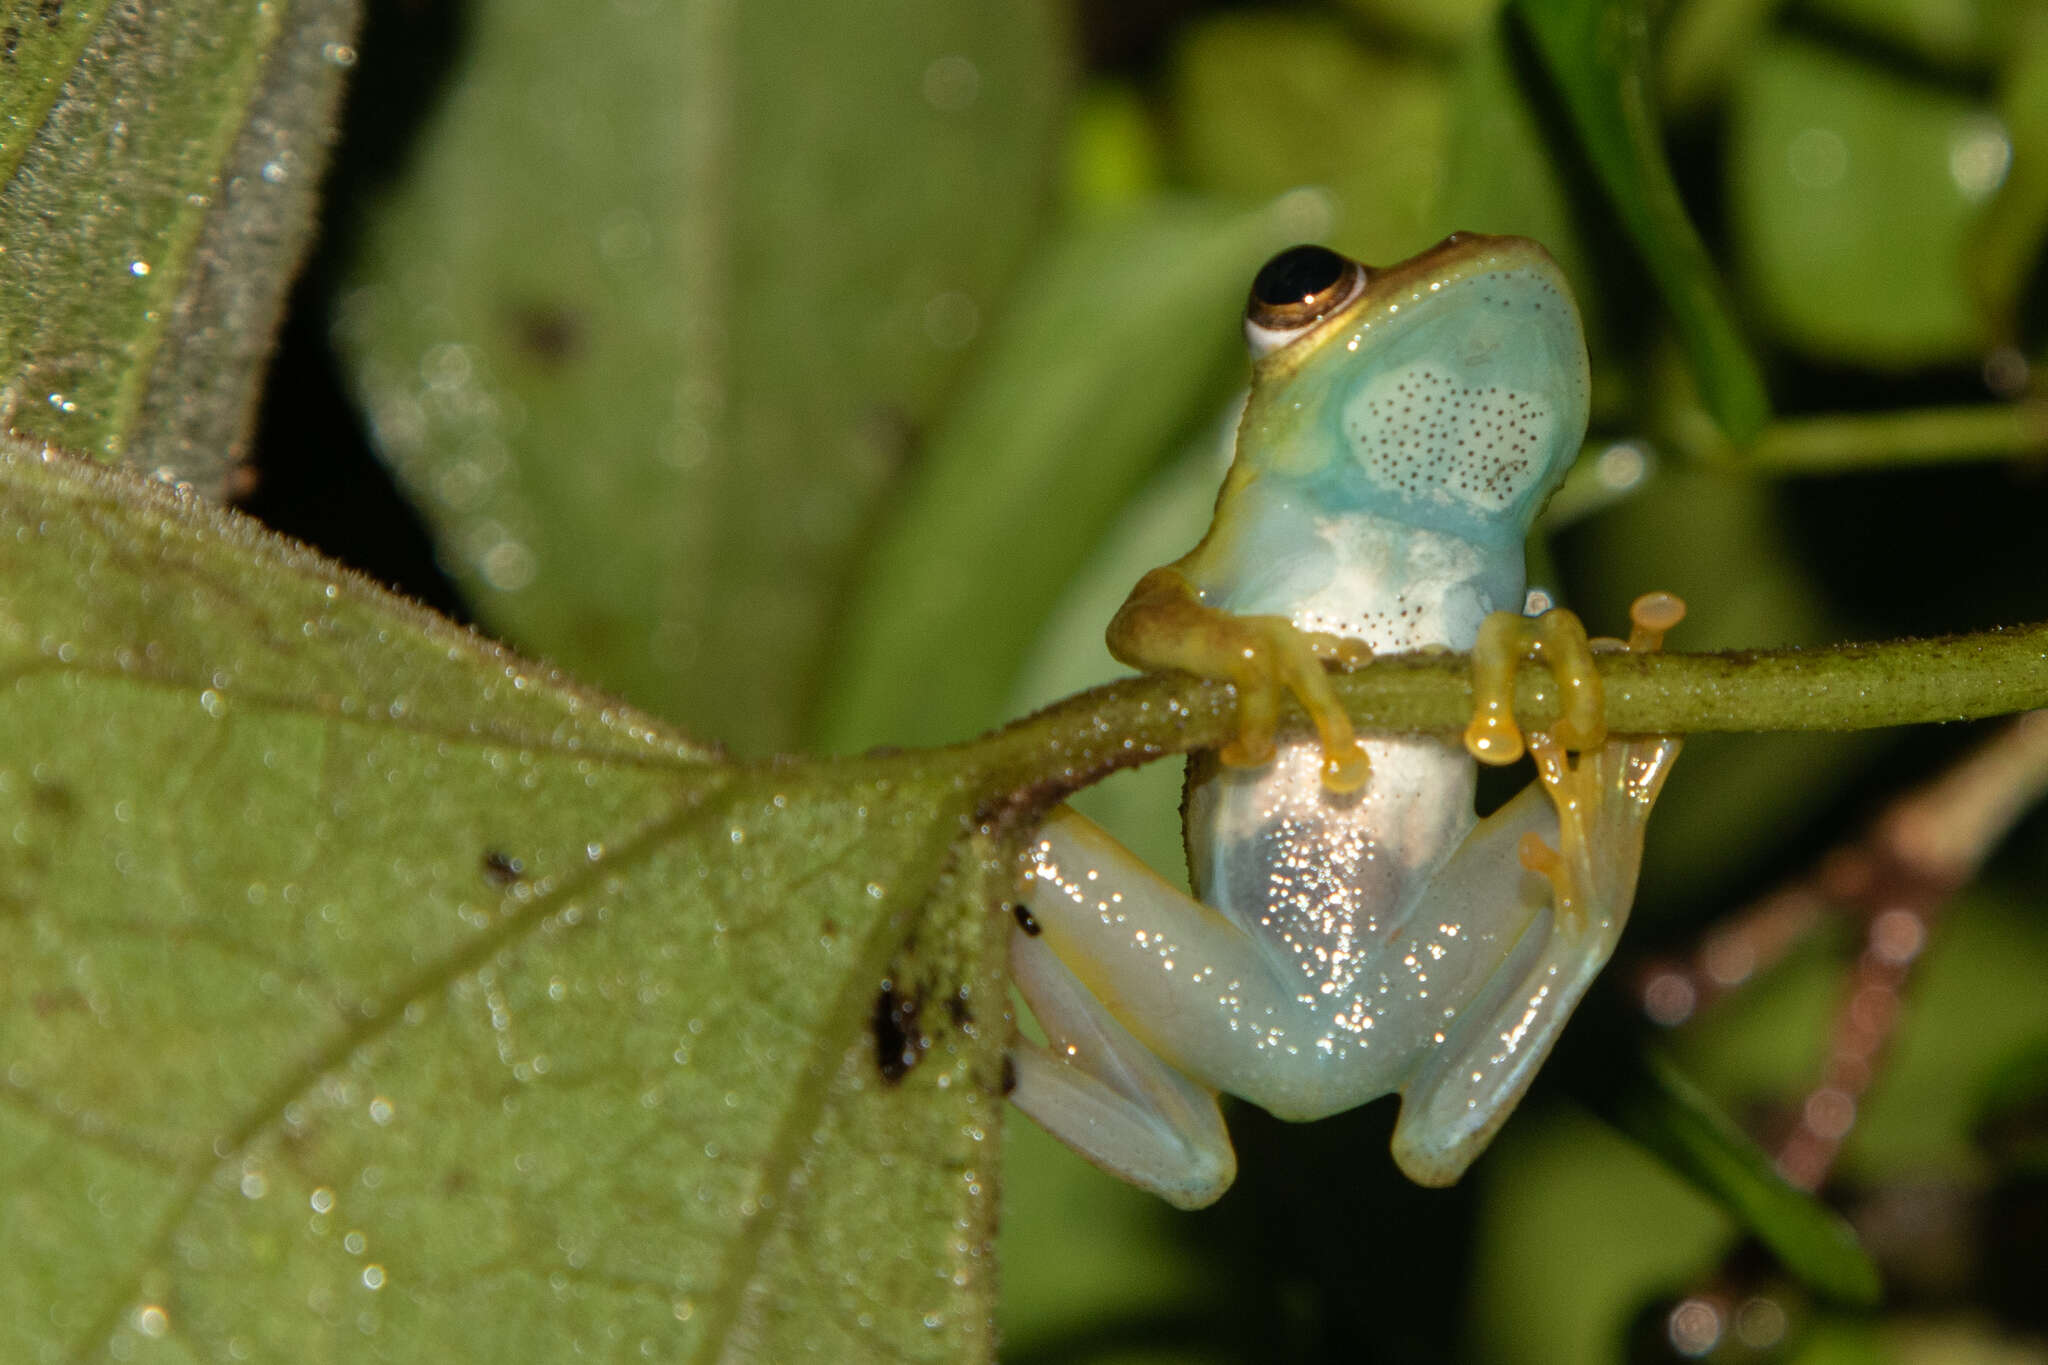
1026,921
899,1042
53,799
550,334
502,869
1009,1075
10,39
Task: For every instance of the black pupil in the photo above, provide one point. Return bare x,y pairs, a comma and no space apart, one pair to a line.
1297,274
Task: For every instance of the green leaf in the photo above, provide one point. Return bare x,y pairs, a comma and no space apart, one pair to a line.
1597,51
1952,33
1445,23
2012,1111
1825,155
371,992
1120,333
1366,124
2009,235
666,297
1666,1113
158,165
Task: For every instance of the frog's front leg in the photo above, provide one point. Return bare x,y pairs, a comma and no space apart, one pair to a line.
1164,624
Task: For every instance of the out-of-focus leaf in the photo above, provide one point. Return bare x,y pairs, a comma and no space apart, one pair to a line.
1366,123
1580,1227
1114,160
2012,1111
2009,235
369,993
158,163
1445,23
1951,33
1597,51
1853,1341
1701,45
1670,1116
1119,338
1841,174
664,300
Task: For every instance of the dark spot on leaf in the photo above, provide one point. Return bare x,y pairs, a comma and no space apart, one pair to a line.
51,11
1009,1074
1026,921
551,335
958,1011
10,39
830,928
891,436
502,869
899,1042
47,1003
54,799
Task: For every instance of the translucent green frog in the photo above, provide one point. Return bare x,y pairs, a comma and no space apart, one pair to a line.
1356,929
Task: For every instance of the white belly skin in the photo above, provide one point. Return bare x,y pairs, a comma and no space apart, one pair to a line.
1324,881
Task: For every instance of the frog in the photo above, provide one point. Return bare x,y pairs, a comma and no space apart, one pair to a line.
1355,929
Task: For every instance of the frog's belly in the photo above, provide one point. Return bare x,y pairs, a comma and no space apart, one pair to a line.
1325,883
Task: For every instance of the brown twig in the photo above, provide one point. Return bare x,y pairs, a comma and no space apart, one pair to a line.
1896,880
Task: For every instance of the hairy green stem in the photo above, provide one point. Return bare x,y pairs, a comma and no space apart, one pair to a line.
1840,687
1846,442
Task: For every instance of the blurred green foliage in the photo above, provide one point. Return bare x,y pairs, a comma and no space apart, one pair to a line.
823,376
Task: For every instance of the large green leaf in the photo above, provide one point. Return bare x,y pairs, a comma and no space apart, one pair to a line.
1598,53
667,294
372,994
175,147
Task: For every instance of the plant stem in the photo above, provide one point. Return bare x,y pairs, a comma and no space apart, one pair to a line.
1846,443
1839,687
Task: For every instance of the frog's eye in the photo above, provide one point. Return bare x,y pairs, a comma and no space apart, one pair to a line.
1294,291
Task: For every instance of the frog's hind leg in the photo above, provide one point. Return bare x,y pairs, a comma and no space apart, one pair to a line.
1568,848
1098,1087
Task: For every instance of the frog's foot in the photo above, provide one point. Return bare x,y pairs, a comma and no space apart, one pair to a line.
1164,624
1555,638
1105,1094
1269,657
1604,799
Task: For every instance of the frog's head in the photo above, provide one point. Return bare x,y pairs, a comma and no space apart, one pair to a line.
1449,390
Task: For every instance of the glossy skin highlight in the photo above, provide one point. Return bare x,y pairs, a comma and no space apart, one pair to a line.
1356,930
